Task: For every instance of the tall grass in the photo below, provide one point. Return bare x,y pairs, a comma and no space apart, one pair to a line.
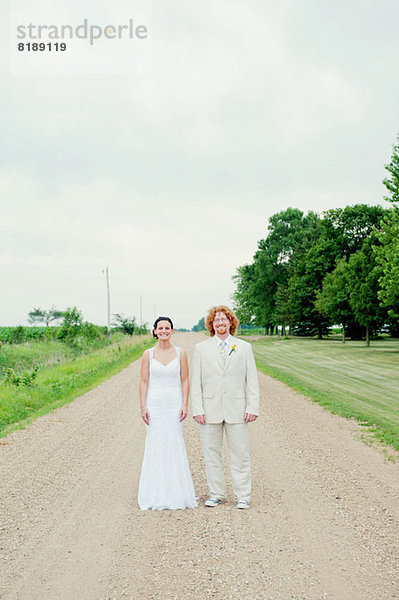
62,378
29,353
349,379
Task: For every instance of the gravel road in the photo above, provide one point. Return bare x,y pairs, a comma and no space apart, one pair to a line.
323,523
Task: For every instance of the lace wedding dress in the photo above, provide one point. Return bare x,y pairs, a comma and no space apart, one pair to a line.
165,480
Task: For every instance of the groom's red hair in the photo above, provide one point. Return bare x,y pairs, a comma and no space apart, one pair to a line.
234,322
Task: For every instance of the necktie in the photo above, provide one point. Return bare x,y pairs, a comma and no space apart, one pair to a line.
222,350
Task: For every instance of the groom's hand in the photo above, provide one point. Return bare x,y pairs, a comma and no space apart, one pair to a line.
200,419
248,417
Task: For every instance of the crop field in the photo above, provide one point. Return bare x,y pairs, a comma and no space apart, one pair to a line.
348,379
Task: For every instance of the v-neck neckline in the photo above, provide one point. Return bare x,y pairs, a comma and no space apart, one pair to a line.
161,363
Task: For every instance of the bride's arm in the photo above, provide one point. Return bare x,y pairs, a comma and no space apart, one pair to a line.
143,388
185,384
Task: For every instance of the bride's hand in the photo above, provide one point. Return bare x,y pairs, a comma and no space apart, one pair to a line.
183,413
145,415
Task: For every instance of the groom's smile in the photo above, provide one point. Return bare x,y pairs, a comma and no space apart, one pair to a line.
221,325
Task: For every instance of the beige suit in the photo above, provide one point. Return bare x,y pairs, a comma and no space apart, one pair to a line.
224,392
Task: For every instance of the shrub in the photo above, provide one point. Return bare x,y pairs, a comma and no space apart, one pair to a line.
91,332
27,378
17,335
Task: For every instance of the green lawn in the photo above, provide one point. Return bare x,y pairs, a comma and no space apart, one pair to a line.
61,378
349,379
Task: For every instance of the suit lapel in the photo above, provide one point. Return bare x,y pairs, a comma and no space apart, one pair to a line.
231,351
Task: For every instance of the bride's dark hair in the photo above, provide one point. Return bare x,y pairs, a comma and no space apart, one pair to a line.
156,323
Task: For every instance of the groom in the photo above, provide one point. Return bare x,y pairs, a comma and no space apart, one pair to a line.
225,397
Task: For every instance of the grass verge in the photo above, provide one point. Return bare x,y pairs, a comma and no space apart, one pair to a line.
349,379
58,384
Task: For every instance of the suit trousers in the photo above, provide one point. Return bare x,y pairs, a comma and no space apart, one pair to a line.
240,463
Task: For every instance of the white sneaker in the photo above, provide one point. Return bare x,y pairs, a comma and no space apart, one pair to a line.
242,504
213,501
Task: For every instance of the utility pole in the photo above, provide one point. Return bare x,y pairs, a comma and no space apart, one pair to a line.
108,303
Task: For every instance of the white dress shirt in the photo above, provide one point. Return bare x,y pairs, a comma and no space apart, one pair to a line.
228,341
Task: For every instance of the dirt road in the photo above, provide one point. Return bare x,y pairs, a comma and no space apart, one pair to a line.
323,523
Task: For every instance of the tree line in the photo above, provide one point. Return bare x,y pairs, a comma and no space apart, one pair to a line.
68,326
311,272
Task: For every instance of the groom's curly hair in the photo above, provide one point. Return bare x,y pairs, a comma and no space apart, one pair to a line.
234,322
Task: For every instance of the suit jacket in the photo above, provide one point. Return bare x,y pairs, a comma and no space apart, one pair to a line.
224,392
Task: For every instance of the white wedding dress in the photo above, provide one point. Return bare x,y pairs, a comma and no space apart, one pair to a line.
165,480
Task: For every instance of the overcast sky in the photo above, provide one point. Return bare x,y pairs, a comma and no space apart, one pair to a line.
167,170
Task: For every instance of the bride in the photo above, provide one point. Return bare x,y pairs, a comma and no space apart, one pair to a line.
165,480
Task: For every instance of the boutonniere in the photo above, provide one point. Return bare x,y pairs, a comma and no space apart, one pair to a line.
233,349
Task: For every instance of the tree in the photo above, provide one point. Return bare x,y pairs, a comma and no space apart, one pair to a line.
38,315
387,256
257,284
125,324
333,299
286,233
53,315
263,288
282,284
200,326
392,182
142,329
364,276
310,268
349,226
243,300
282,313
71,326
290,232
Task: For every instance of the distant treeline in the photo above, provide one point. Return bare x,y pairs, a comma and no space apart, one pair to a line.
200,326
72,328
313,271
